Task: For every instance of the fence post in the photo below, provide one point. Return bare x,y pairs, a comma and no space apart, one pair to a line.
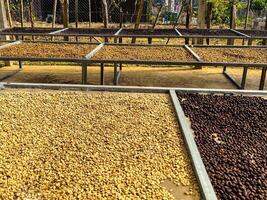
31,14
66,16
138,15
54,14
9,18
188,16
3,23
76,13
232,21
21,13
208,18
265,40
247,14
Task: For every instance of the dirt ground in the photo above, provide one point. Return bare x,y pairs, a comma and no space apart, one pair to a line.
134,76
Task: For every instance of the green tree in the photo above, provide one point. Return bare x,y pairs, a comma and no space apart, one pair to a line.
222,9
258,5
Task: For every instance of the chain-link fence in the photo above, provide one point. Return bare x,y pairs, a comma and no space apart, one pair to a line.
90,11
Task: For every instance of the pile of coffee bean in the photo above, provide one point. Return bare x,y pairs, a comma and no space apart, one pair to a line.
92,145
231,134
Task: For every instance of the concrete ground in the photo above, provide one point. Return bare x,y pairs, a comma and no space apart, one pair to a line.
133,76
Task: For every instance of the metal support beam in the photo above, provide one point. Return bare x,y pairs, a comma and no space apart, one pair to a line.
250,41
194,54
58,31
94,51
244,78
20,65
10,44
132,88
263,78
118,78
115,74
102,75
230,78
84,73
116,34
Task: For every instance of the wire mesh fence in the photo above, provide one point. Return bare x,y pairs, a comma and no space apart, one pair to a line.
87,11
41,13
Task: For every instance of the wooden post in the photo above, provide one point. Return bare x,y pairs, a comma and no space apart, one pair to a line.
233,15
66,16
121,18
232,21
105,13
121,22
31,14
54,14
3,17
188,18
247,14
21,13
201,19
265,40
89,13
8,12
105,16
209,17
3,24
76,13
246,20
66,13
138,15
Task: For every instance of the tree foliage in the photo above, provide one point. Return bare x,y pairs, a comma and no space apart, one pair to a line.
222,9
258,5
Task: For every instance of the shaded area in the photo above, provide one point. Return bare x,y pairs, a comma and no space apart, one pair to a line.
135,76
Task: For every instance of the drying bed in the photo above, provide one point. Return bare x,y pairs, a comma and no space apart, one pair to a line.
83,31
148,32
208,32
230,132
47,50
112,145
235,55
255,33
18,30
147,53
